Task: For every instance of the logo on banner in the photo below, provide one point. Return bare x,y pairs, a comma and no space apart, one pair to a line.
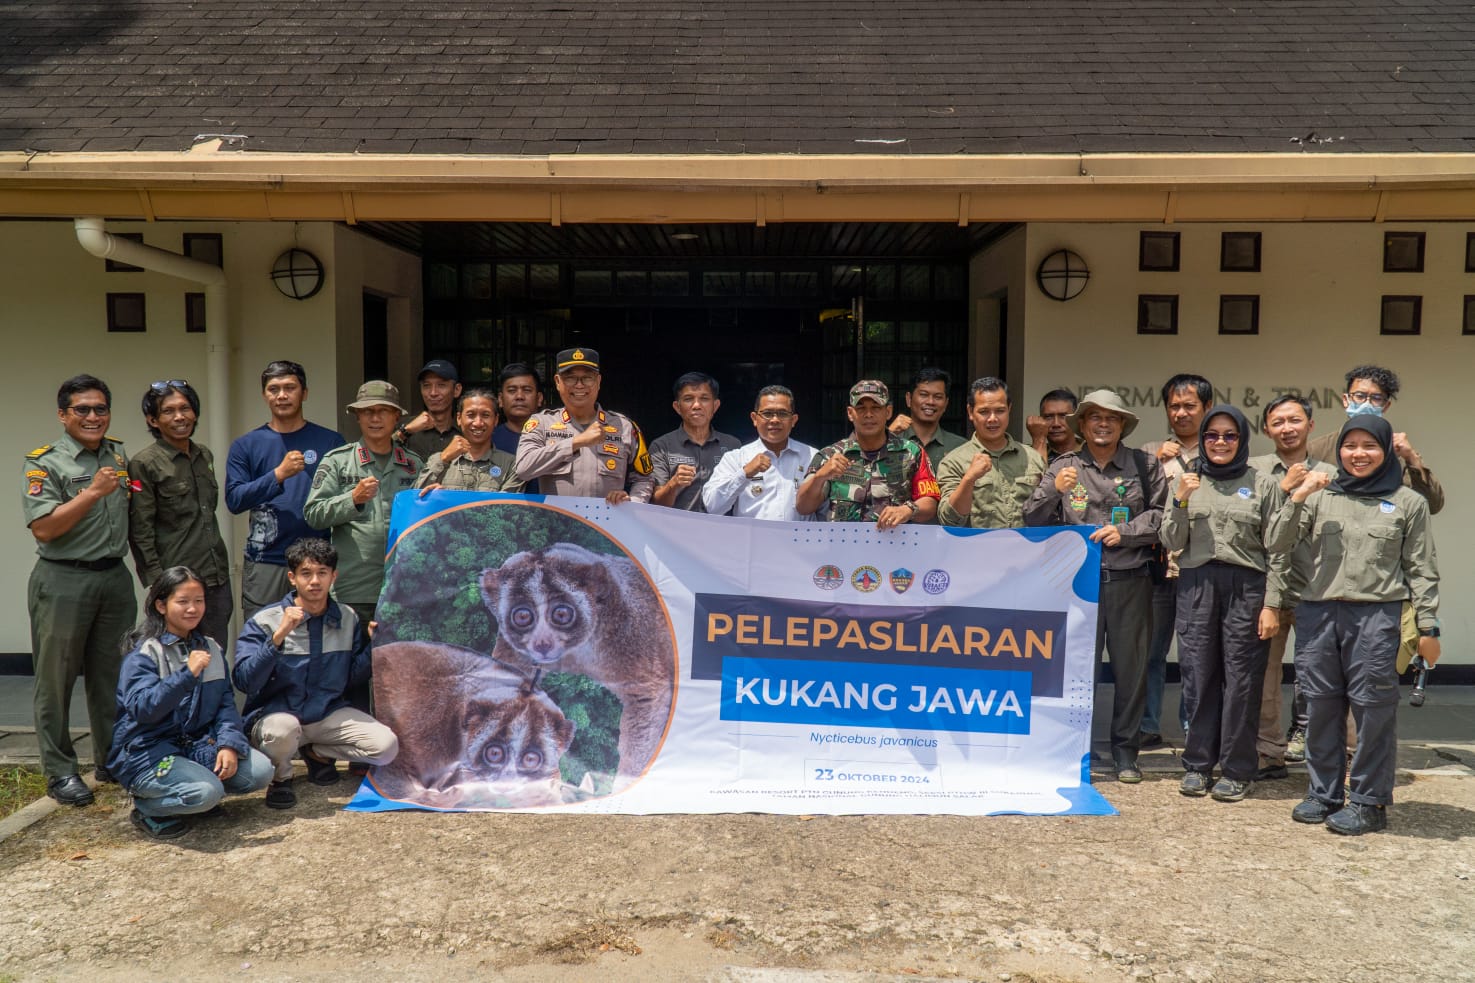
936,581
901,579
828,577
865,579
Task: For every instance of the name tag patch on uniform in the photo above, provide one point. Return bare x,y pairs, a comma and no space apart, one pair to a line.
1385,507
1244,493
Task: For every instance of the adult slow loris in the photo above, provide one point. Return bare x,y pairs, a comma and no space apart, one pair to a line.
502,749
565,609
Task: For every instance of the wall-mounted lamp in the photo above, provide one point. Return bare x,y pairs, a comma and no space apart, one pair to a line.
1062,275
298,274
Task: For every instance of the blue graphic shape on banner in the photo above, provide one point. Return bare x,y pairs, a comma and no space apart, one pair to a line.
856,694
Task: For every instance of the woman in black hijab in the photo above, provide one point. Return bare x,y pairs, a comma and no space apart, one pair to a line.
1372,550
1227,605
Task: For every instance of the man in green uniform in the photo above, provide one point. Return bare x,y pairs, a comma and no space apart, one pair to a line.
171,515
80,597
986,481
470,462
926,403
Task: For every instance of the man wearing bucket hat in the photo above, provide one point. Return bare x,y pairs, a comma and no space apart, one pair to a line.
353,491
1120,491
872,475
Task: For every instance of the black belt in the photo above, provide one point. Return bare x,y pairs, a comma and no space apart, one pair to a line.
1107,576
104,564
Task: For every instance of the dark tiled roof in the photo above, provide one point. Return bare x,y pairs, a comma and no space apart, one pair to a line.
739,76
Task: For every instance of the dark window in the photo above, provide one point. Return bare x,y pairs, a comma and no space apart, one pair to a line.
670,283
1239,314
194,313
113,266
476,281
1470,252
1401,315
1239,252
1157,313
512,280
592,283
207,247
1403,252
1469,327
1158,251
126,312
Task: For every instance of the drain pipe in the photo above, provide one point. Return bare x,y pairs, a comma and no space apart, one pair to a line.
93,236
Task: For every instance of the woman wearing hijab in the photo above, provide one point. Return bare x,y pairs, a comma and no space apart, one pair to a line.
1229,592
1372,550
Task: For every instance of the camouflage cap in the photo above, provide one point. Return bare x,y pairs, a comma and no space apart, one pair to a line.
377,392
870,389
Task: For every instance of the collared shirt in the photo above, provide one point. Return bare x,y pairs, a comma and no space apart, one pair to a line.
504,438
670,450
768,495
943,443
618,460
895,474
492,472
1298,571
1420,479
171,516
1365,548
424,443
1225,520
1051,453
999,496
55,474
360,532
1098,491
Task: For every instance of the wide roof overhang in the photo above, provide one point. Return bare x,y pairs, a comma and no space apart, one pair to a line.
212,185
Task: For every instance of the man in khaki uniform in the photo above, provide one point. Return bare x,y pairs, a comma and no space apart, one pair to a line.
584,450
470,462
80,597
987,480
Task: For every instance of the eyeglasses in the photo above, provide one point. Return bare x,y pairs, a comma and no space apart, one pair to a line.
1377,399
91,409
774,415
164,386
1215,437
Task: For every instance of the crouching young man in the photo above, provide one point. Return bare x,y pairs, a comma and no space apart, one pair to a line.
295,661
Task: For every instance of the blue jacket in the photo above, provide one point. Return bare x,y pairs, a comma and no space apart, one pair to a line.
164,709
309,675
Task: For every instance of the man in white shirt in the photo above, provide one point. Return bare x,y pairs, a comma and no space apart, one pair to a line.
759,480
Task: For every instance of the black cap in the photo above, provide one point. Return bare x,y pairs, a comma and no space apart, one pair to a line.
440,367
573,358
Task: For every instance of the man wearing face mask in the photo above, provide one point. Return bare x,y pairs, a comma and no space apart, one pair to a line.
1371,389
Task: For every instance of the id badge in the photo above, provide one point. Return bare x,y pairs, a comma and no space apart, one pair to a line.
1120,514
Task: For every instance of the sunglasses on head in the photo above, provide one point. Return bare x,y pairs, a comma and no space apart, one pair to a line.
165,385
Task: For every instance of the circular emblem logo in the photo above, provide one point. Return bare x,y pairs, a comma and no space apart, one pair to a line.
1385,506
936,581
310,456
865,579
609,465
495,472
1244,493
578,355
828,577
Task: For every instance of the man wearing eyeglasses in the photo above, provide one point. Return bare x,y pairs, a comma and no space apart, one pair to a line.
759,480
583,449
1371,389
683,460
171,515
80,597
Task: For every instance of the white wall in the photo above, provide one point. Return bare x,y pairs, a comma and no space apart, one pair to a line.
53,322
1320,290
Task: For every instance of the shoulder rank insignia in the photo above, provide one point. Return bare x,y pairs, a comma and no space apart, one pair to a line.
531,425
403,459
365,457
39,451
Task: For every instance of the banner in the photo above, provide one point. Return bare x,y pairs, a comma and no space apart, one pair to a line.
562,654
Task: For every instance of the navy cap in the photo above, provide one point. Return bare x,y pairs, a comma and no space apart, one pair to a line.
440,367
574,358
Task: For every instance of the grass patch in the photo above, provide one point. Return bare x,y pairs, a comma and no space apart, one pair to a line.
19,787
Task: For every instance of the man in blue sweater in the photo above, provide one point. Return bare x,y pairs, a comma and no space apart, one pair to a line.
269,472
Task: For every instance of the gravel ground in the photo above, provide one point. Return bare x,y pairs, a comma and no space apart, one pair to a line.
1174,889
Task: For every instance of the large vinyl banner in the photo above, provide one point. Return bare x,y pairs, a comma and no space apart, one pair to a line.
562,654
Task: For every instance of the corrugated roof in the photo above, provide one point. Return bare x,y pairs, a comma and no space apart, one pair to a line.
763,76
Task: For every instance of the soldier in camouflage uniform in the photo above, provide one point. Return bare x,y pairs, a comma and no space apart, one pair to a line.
871,475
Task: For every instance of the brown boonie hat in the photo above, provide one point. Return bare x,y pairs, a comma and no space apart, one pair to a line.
870,389
1103,399
377,392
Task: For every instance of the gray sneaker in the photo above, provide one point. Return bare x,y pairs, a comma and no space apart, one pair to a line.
1296,745
1195,783
1229,790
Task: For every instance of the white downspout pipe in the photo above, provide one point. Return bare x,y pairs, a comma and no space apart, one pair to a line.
215,394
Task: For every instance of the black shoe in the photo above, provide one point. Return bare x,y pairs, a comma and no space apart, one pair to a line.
1230,790
1312,811
158,827
1147,740
1270,773
357,769
279,795
215,812
69,790
103,777
1195,783
1127,771
1357,818
320,771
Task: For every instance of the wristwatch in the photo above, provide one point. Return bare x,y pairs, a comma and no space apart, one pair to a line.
1428,632
913,507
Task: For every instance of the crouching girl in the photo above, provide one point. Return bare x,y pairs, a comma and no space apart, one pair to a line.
179,745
